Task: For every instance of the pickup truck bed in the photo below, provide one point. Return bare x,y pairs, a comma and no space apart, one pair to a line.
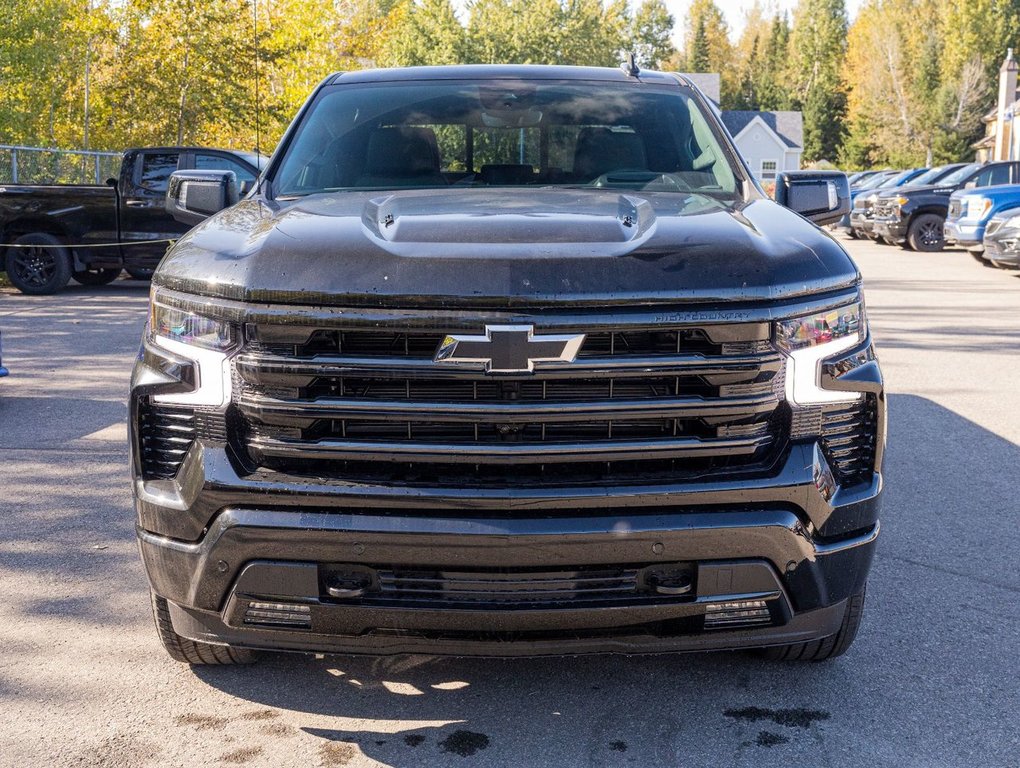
54,230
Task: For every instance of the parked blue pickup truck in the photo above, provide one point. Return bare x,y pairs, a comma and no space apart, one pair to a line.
970,210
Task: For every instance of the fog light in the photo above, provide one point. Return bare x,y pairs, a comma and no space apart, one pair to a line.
279,614
737,613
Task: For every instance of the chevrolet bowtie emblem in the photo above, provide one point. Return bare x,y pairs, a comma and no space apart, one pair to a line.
509,349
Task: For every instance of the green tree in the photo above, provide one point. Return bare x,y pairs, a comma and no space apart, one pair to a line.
904,107
649,34
426,32
818,45
747,95
773,89
699,52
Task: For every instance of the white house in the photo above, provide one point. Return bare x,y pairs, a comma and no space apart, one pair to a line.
769,141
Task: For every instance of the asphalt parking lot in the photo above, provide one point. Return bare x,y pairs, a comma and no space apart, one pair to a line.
932,679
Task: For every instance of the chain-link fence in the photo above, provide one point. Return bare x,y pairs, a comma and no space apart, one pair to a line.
36,165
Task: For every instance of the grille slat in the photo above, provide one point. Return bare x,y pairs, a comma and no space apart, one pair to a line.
165,436
849,439
285,411
506,453
509,589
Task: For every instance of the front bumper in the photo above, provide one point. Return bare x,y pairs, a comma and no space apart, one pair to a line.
805,556
891,228
1003,250
964,235
861,223
765,555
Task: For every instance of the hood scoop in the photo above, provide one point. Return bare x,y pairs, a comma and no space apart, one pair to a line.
524,223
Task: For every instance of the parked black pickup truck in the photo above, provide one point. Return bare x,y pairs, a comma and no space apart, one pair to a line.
46,223
915,216
507,360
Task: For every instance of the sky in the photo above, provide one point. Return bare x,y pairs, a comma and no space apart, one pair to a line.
734,11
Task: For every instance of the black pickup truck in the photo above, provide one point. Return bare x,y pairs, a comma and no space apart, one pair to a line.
56,229
507,360
915,216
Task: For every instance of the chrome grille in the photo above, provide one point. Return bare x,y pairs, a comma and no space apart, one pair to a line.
370,403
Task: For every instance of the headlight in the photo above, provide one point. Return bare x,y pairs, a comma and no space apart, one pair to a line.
1013,222
206,341
172,324
810,339
977,207
901,200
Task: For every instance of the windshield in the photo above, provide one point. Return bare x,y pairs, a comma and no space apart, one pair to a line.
959,175
932,175
877,180
900,178
506,133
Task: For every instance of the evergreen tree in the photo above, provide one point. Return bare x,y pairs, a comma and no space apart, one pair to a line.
747,96
772,90
818,43
698,55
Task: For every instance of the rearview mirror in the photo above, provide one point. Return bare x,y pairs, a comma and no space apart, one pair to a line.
821,196
194,196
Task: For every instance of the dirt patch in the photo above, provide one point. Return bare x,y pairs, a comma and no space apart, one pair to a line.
278,730
337,753
414,739
203,722
260,714
241,756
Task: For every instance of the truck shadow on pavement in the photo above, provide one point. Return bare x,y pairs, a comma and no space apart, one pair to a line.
950,485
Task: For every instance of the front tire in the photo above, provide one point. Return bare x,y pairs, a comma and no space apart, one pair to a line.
140,273
40,270
827,647
925,233
96,276
192,651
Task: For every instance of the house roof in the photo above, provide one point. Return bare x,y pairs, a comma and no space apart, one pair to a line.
708,82
788,126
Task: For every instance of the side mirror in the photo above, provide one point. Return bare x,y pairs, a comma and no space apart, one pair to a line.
194,196
972,184
821,196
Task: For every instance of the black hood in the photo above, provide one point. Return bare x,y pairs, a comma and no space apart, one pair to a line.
924,189
505,248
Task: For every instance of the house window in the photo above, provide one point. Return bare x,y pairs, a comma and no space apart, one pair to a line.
768,169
